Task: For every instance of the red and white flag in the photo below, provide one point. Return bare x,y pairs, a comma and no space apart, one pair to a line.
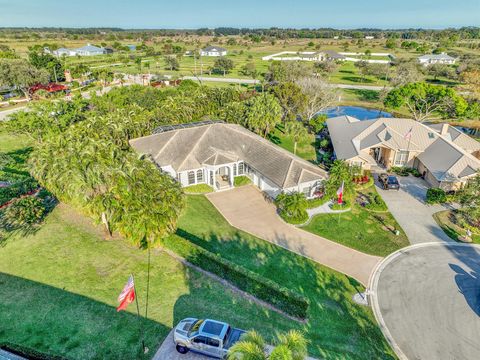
408,135
340,193
127,296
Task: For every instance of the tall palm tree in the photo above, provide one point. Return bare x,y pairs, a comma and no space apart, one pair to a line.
297,131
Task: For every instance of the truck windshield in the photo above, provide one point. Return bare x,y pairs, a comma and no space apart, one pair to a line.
195,326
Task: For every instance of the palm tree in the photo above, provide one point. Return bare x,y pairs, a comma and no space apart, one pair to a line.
290,346
297,131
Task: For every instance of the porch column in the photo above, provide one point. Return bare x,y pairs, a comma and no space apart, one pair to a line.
230,170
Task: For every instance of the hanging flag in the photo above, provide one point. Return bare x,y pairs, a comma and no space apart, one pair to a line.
340,193
127,296
408,135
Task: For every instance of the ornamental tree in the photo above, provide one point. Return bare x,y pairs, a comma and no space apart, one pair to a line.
424,101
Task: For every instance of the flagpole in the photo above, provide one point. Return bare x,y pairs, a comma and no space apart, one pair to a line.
138,314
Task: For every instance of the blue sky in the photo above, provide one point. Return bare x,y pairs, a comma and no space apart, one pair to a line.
342,14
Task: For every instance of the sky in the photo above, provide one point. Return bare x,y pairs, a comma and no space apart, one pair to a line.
191,14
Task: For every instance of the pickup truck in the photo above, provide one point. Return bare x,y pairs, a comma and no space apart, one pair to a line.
205,336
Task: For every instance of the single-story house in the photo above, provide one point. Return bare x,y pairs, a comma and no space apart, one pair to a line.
63,52
442,58
90,50
214,153
444,155
316,56
213,51
334,56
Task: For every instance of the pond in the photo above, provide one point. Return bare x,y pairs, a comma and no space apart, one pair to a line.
358,112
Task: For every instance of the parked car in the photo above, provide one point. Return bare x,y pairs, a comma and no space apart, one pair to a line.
205,336
389,182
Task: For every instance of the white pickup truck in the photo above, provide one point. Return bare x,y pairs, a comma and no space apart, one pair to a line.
208,337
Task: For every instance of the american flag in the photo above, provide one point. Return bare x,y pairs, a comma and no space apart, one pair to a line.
126,289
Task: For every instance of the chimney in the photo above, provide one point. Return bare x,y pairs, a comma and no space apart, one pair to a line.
444,130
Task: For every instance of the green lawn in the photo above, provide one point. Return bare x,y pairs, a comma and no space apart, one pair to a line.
305,148
336,327
448,222
367,231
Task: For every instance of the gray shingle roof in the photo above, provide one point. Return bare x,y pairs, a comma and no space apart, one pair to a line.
219,143
436,57
343,129
214,48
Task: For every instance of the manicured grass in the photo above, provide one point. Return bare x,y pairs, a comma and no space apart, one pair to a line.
336,327
241,181
198,189
446,220
10,142
59,288
305,147
364,230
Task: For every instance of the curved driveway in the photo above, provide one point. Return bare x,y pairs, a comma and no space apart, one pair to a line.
426,299
246,209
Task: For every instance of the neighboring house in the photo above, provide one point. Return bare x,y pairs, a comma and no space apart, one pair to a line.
436,59
334,56
316,56
444,155
214,153
213,51
90,50
62,52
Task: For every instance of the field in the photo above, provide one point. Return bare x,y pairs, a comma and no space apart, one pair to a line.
240,53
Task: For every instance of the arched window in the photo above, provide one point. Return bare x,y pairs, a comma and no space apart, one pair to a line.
191,177
199,176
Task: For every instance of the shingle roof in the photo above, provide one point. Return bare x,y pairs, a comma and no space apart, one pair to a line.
458,137
436,57
214,48
219,143
90,48
447,156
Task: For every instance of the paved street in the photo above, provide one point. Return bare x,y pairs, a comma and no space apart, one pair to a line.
245,208
426,298
415,217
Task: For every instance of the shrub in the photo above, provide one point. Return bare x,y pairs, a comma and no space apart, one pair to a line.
344,206
17,189
401,171
436,196
316,202
301,218
246,280
376,203
25,211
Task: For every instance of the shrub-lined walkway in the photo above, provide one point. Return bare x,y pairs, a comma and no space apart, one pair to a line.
246,209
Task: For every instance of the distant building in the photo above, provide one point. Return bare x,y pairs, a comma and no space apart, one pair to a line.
132,47
442,58
334,56
213,51
369,37
316,56
90,50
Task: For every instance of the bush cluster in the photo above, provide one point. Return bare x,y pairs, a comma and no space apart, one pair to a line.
15,190
405,171
436,196
246,280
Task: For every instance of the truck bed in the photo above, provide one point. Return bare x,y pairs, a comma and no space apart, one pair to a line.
233,338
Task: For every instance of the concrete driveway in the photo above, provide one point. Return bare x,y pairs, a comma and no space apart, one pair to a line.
412,213
426,300
246,209
167,352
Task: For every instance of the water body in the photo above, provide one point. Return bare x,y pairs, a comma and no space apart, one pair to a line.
358,112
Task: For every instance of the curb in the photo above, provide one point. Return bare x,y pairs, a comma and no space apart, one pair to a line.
373,284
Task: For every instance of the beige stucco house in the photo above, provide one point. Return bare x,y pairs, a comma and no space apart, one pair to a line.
444,155
214,153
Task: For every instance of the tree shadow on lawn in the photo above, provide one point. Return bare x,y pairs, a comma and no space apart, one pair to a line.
335,324
58,322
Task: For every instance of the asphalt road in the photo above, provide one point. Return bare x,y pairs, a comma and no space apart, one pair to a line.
427,301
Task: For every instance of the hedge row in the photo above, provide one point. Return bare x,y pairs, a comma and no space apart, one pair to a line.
28,353
264,289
